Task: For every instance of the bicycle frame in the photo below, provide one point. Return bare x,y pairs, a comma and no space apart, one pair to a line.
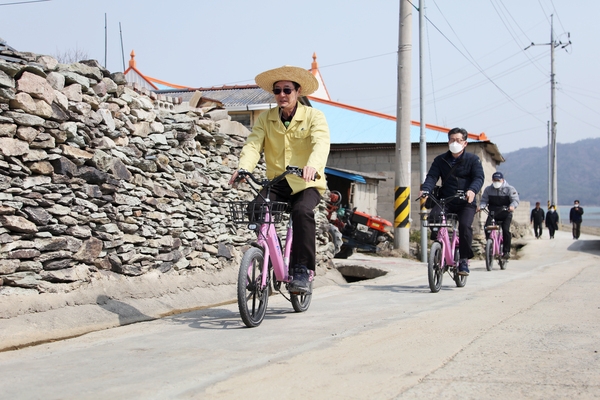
449,245
266,253
495,234
268,239
443,256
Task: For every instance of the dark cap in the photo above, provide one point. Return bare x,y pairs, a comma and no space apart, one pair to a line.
497,176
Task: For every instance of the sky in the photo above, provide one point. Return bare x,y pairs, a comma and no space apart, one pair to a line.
478,73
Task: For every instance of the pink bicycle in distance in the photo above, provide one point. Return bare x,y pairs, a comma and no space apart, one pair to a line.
495,243
443,255
266,262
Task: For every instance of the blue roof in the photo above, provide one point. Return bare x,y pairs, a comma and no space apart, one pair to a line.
344,174
361,126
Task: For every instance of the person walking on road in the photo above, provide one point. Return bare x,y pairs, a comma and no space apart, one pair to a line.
458,170
552,221
575,218
298,135
502,199
537,219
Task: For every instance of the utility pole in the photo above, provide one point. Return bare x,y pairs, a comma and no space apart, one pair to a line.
423,136
549,167
553,116
403,168
552,159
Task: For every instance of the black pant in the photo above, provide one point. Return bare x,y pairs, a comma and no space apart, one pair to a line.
465,213
576,229
551,229
303,220
537,229
504,219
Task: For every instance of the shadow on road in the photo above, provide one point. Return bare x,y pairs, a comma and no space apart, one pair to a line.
127,314
220,318
586,246
423,289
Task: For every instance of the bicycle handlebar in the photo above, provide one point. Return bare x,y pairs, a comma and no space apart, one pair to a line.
289,170
487,211
459,193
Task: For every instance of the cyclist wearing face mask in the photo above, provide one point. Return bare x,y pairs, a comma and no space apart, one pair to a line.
458,170
497,196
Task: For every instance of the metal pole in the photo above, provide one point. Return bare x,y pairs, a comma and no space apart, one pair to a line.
403,168
122,51
423,137
105,41
553,116
549,134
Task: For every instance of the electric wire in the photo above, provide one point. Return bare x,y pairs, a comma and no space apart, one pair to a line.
506,25
473,62
23,2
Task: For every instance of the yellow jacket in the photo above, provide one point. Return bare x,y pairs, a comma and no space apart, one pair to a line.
304,142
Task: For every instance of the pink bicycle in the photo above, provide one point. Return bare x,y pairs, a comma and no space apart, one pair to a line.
494,244
265,263
443,255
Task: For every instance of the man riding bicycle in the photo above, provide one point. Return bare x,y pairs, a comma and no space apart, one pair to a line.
292,134
458,170
501,199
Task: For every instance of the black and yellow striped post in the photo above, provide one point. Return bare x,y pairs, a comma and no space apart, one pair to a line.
402,207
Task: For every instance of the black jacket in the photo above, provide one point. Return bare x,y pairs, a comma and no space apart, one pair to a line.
575,214
552,219
537,215
468,175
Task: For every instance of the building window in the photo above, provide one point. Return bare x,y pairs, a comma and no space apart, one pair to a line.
243,118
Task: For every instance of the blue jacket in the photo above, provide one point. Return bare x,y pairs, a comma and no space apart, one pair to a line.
468,175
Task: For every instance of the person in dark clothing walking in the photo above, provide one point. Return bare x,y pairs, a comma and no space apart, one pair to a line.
537,219
467,176
576,219
552,220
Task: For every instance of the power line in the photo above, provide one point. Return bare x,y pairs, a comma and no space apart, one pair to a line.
472,60
23,2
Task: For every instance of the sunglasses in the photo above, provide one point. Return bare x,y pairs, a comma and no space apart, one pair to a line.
285,90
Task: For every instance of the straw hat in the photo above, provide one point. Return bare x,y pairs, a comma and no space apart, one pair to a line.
301,76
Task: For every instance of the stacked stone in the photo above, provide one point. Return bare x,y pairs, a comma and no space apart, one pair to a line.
95,179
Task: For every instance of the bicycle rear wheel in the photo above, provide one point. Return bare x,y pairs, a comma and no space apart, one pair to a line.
489,254
252,300
435,271
301,302
460,280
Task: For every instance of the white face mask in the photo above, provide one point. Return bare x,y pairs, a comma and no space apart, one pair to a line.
497,184
551,210
455,147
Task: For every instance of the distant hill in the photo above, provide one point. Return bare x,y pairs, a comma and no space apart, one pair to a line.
578,167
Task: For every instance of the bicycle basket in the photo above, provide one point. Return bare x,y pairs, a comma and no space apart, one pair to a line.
245,212
436,221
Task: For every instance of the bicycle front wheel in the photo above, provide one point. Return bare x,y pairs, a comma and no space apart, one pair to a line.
435,271
301,302
489,254
252,299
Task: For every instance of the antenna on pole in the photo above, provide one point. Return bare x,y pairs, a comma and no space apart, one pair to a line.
122,51
105,41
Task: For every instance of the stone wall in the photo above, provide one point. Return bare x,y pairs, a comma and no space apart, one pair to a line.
98,179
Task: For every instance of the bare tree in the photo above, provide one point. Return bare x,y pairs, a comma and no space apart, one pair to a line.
71,56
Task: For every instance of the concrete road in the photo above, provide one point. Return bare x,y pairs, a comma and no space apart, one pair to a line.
530,331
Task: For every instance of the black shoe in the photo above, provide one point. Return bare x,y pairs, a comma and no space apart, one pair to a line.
300,282
506,256
463,268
